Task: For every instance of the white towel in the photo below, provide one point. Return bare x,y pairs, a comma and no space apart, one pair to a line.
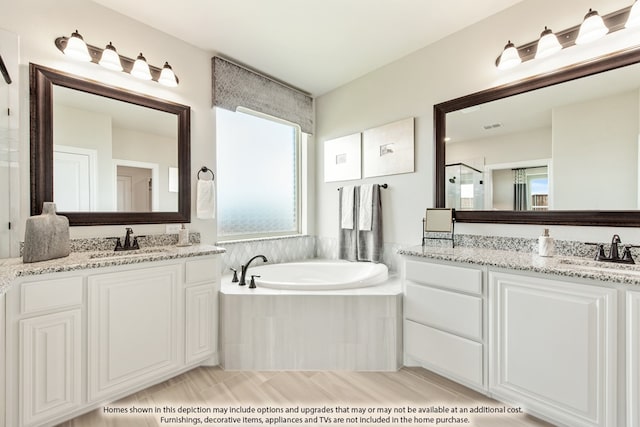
205,200
346,213
366,207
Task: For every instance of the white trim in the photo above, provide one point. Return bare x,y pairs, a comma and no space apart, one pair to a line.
155,179
92,154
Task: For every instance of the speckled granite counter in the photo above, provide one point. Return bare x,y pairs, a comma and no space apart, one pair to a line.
577,267
14,267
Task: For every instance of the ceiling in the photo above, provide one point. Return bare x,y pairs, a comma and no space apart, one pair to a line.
314,45
533,110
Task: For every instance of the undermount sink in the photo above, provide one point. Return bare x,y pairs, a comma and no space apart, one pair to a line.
118,254
602,266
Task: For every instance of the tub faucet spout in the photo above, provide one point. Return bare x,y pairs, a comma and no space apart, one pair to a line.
244,268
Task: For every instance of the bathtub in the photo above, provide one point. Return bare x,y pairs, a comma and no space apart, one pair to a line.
319,275
312,315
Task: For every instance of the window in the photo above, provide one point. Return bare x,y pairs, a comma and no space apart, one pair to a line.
258,165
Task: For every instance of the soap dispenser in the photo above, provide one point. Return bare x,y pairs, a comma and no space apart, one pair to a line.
546,244
183,236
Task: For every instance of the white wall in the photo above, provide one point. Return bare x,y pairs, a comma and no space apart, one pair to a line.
605,133
510,148
460,64
145,147
39,22
86,129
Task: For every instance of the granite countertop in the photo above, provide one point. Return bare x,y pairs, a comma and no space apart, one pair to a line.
568,266
12,268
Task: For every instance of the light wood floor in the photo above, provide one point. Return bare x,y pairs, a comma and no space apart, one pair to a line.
214,387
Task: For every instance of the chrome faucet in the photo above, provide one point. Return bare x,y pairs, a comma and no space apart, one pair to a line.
244,268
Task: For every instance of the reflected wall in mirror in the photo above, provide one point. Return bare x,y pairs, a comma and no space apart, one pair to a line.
105,155
555,149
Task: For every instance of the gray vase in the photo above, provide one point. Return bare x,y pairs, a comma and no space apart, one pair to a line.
46,236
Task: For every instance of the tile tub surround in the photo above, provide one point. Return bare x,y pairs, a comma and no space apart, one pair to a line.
14,267
327,248
266,329
567,266
276,249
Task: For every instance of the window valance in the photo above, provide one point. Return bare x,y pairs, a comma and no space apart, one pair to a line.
234,86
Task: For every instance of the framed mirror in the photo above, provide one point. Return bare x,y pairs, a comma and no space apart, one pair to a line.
583,164
105,155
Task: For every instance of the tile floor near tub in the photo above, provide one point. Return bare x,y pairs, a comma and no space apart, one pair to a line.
213,387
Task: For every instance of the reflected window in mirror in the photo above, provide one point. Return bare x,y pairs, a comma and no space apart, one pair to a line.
105,155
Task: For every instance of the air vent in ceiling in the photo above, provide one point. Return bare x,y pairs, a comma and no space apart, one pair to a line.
492,126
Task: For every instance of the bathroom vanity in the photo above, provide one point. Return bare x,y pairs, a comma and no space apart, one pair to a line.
82,331
557,336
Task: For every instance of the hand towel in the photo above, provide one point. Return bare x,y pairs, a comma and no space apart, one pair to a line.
369,244
346,210
205,199
365,207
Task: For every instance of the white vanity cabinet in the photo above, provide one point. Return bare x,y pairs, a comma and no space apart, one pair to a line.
553,347
133,327
44,348
443,320
79,339
201,316
633,358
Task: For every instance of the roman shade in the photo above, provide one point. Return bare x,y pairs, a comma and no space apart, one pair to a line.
236,86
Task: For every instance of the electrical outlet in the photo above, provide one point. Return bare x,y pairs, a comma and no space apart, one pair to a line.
172,228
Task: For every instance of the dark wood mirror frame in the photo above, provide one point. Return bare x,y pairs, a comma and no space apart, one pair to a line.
42,80
628,218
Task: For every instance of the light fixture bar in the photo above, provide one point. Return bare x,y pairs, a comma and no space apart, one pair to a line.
614,21
96,54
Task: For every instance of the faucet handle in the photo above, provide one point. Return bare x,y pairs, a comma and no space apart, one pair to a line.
252,284
600,255
118,243
626,254
235,275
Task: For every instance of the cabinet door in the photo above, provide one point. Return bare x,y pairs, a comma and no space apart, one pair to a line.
633,359
51,366
200,332
134,322
553,348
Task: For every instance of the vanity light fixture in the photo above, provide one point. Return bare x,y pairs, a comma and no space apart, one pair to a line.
141,68
634,16
167,77
548,44
592,28
509,58
76,48
109,58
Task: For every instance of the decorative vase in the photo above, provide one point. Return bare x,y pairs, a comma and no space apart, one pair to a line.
46,235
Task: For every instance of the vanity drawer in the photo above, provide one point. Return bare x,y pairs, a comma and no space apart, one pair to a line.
462,279
50,294
201,270
453,312
445,353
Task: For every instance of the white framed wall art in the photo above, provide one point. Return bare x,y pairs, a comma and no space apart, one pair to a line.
389,149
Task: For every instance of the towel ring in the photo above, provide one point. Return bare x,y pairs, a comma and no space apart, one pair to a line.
205,170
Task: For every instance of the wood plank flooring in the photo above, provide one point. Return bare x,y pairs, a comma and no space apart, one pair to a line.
212,387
